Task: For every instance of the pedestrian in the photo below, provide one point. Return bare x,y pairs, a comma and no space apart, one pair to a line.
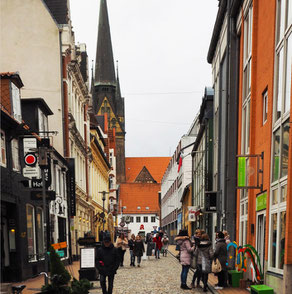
122,244
165,242
107,263
158,245
150,244
197,274
131,247
138,249
161,234
204,254
186,250
221,254
226,237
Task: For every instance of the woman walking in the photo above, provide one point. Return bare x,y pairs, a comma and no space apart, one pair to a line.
122,244
186,250
138,249
131,247
221,254
165,242
150,245
198,273
204,254
158,243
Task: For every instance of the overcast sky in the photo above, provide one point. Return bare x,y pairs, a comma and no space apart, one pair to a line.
162,47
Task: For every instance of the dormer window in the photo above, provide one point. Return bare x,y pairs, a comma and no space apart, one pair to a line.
43,124
15,97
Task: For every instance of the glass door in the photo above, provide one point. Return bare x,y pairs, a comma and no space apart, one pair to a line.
261,235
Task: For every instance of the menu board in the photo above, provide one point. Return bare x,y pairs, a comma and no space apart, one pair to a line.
87,258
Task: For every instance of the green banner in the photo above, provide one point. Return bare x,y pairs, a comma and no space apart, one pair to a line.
261,202
241,171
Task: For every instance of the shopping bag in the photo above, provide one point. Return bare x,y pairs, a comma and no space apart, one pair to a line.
216,266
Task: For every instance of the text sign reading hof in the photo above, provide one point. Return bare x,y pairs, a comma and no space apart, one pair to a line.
192,212
87,258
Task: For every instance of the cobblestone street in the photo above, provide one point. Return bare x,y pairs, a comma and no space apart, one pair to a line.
153,277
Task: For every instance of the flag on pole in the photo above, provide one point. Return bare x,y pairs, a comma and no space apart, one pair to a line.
179,164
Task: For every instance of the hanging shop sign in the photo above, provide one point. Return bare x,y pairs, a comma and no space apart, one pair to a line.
71,186
241,171
37,194
261,202
210,201
193,212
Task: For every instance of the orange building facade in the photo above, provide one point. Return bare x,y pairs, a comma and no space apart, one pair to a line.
264,214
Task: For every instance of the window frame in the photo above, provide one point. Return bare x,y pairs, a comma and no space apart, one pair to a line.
15,155
265,99
15,102
3,149
34,259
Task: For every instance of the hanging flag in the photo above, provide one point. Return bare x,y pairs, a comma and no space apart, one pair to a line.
179,163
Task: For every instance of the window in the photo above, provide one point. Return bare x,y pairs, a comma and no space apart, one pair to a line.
283,58
15,155
265,106
138,219
30,227
43,124
3,149
16,108
40,231
145,219
131,219
153,219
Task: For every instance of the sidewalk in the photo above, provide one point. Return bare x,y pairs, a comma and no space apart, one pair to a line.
213,280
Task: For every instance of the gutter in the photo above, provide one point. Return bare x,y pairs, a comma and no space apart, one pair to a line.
217,30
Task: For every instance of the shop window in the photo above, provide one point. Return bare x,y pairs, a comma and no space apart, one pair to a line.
40,232
30,227
3,149
276,155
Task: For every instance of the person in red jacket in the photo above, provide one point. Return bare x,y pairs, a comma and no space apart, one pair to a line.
158,243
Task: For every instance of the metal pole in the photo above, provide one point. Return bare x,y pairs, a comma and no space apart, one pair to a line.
103,199
45,224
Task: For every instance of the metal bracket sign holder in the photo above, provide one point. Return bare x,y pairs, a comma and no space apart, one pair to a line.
241,171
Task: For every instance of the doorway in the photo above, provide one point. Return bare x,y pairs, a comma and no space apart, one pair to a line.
261,236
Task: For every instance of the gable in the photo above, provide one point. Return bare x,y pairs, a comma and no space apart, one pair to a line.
144,176
113,121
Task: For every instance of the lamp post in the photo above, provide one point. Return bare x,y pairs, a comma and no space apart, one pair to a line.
103,199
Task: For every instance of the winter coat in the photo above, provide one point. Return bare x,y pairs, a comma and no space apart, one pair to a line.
221,252
138,248
165,243
131,244
186,249
122,243
107,260
157,241
150,247
204,248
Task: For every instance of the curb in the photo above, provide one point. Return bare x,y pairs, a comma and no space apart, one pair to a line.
211,288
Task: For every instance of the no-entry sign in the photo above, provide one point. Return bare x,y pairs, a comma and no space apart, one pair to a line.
30,159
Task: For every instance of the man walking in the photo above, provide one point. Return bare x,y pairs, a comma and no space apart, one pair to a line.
107,261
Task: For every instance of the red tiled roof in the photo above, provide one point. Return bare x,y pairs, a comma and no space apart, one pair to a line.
144,195
155,165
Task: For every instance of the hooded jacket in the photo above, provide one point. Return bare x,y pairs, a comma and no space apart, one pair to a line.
221,252
186,249
107,260
204,248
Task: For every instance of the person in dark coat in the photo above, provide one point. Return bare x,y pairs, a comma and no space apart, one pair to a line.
204,253
150,245
107,263
198,273
221,254
138,249
131,248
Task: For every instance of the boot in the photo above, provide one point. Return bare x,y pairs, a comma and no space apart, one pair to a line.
185,287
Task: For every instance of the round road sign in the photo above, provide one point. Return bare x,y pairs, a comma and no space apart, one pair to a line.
30,159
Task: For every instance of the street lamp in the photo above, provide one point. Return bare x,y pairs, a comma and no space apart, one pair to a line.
103,199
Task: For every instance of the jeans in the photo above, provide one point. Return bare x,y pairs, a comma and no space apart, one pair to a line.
132,257
138,259
110,284
197,274
157,252
184,274
121,254
221,278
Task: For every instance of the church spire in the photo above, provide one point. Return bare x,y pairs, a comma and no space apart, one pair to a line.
118,88
104,63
